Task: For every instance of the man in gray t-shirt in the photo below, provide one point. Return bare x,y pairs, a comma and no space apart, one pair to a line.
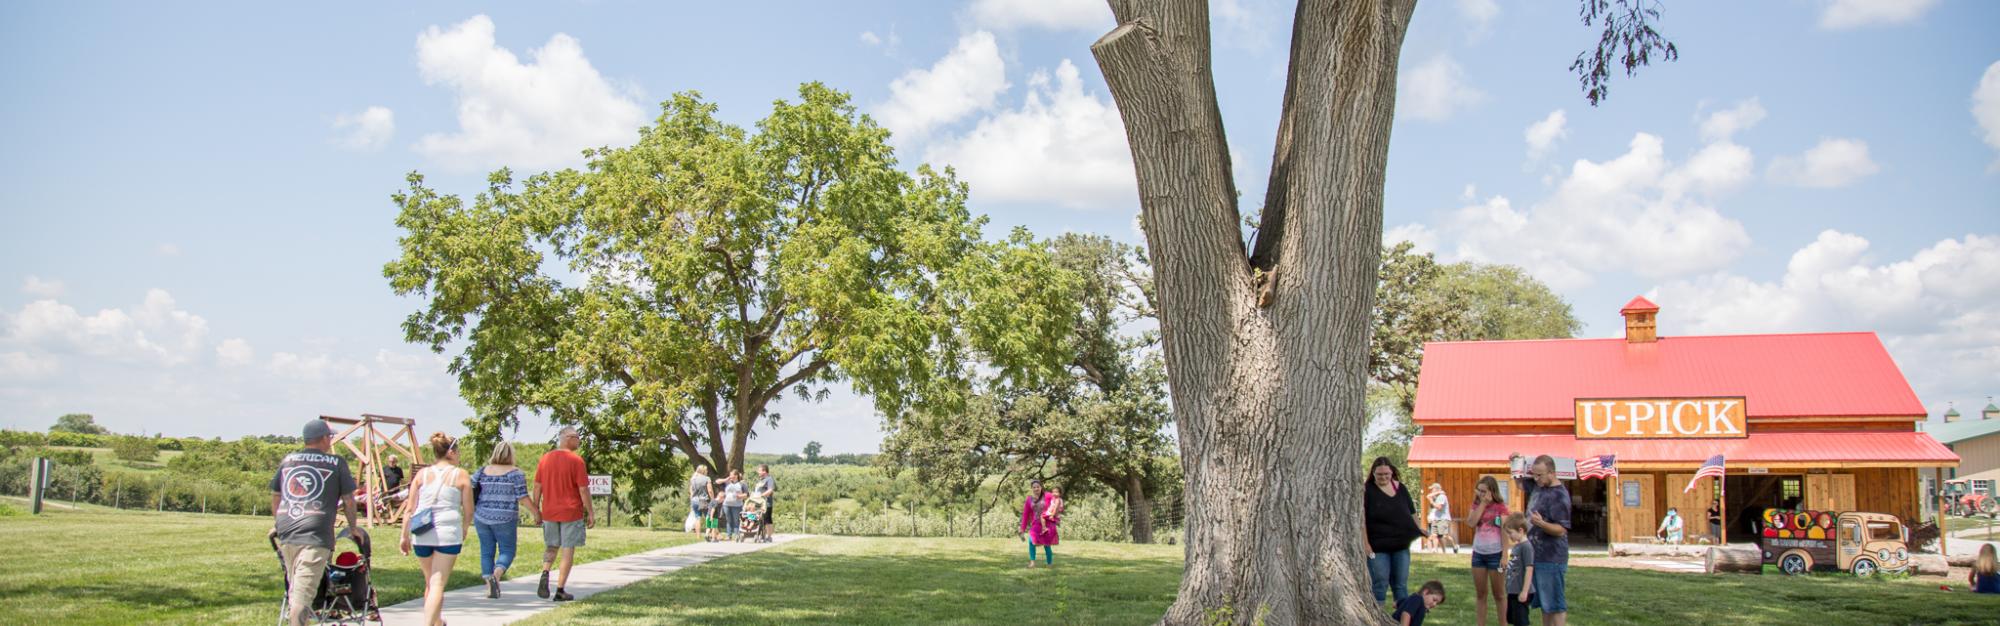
768,488
307,487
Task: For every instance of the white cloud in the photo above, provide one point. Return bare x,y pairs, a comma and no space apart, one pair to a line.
168,249
1050,14
536,115
1063,146
234,352
39,288
1238,25
156,332
313,368
22,366
1436,90
868,37
1986,108
366,131
1421,237
1637,213
1723,125
1478,15
1841,14
967,80
1716,168
1542,135
1832,163
1936,310
146,366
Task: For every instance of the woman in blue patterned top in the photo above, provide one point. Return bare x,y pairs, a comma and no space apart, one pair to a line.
502,490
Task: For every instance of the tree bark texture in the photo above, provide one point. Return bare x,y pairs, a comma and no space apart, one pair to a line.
1267,394
1138,509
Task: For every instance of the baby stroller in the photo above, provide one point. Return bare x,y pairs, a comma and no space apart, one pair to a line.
345,594
753,517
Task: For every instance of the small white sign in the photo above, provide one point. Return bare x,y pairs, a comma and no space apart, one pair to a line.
1760,470
600,484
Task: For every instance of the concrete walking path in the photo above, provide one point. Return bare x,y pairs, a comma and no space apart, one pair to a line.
517,601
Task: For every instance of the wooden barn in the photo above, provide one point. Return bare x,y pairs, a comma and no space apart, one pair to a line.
1821,421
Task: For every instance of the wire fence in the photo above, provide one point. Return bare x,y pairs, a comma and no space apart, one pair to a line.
78,483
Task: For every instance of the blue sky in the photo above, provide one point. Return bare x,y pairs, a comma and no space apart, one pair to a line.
194,210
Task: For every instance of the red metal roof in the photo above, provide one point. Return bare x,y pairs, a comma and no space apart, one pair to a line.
1807,447
1639,304
1795,375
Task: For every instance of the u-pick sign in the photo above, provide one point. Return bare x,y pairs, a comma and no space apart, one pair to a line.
1660,418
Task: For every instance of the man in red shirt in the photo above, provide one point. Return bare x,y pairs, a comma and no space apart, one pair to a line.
562,497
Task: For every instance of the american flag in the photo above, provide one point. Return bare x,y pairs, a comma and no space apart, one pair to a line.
1713,467
1599,467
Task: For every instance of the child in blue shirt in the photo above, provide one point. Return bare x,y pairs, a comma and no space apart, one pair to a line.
1410,612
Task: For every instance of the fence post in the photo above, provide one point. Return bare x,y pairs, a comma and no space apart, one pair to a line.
117,492
38,482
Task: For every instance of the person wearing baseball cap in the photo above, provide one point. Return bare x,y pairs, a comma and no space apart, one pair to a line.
307,487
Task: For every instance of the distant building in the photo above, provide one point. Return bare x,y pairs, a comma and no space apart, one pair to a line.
1822,421
1977,442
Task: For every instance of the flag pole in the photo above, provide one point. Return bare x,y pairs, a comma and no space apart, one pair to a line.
1724,499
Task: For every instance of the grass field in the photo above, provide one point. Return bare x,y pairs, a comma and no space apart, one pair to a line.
124,567
111,567
852,580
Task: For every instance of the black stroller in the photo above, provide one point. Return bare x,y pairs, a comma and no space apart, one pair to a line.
345,594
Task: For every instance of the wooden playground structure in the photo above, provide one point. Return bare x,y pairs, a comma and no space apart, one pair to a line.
380,438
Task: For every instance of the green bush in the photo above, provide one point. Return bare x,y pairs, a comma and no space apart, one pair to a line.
17,438
78,440
135,449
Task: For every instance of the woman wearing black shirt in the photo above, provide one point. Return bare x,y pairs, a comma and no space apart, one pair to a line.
1715,520
1392,525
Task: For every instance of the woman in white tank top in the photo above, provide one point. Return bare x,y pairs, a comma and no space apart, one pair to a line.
445,491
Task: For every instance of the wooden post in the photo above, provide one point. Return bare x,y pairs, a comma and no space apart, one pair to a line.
1944,530
117,492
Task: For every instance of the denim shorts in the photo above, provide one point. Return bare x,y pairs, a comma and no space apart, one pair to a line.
1549,582
1486,561
424,552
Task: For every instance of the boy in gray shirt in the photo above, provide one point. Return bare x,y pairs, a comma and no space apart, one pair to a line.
1520,569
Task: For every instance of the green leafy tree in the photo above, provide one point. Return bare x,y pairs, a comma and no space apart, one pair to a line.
83,423
663,296
1419,300
1103,425
133,448
812,452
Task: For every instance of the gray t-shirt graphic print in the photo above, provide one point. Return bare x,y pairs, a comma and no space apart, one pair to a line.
309,484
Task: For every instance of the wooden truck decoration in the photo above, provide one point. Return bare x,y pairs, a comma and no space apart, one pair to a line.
1861,543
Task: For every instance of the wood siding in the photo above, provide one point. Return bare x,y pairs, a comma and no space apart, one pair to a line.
1978,454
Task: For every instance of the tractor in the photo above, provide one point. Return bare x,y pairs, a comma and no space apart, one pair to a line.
1964,500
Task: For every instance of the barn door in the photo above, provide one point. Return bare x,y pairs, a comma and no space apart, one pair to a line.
1693,505
1843,492
1819,493
1634,503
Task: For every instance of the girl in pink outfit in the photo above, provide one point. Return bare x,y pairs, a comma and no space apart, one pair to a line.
1038,522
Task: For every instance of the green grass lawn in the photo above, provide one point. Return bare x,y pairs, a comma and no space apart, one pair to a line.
126,567
883,580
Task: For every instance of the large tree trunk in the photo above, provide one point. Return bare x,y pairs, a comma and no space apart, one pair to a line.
1138,509
1267,367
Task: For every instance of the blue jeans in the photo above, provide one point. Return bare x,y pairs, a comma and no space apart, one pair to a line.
1389,569
1549,587
732,520
496,546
